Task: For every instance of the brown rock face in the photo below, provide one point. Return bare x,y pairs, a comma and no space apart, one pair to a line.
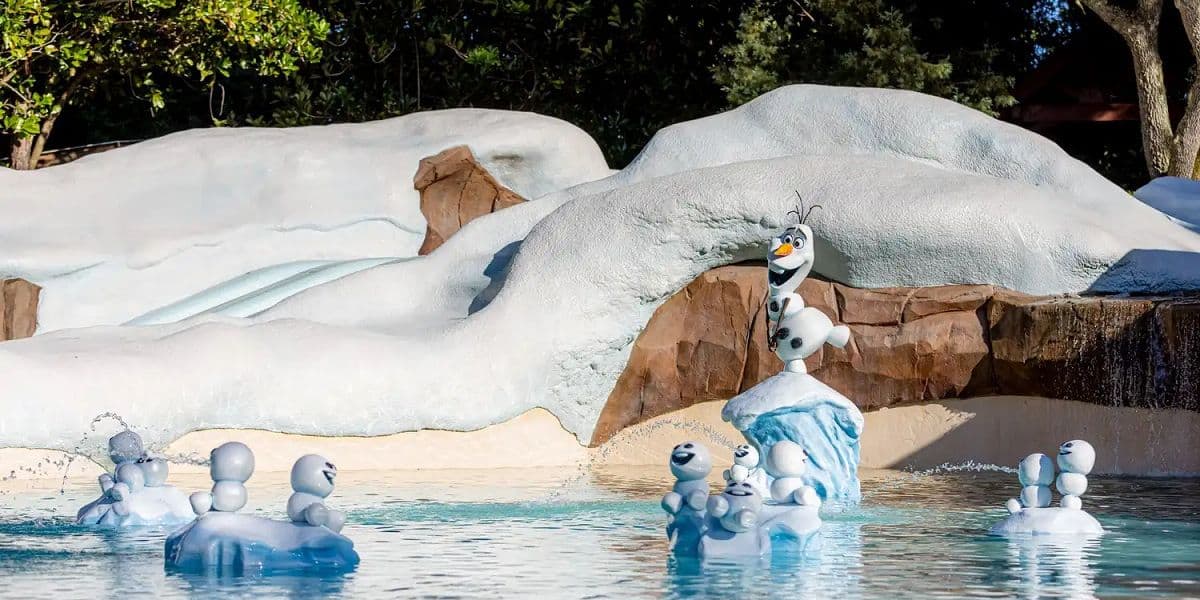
18,308
455,189
912,345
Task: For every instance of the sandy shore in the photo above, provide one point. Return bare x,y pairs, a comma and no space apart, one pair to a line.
997,430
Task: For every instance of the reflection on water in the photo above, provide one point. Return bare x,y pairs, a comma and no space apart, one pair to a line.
526,533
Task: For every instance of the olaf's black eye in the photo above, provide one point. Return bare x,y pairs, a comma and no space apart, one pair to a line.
800,239
774,306
782,334
796,343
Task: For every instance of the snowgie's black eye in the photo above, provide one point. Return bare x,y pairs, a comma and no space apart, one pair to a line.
687,445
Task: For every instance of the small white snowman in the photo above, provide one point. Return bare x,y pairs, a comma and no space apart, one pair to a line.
123,448
802,332
1076,459
745,469
312,482
1036,473
231,465
733,524
690,464
786,463
737,508
684,504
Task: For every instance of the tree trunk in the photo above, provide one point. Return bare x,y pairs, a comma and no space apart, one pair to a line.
1186,144
1139,29
1152,101
22,151
1187,132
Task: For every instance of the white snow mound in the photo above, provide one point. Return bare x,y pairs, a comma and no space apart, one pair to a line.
116,235
538,305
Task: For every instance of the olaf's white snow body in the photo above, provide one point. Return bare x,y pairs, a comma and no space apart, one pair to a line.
801,333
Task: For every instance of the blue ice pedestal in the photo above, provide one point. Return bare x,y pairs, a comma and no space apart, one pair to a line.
237,544
798,407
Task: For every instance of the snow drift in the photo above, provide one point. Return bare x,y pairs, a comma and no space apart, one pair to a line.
1179,198
116,235
538,305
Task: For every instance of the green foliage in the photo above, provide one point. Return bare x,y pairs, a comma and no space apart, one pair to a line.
621,70
753,65
967,50
56,52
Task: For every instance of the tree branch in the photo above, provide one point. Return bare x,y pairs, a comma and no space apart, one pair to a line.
1116,17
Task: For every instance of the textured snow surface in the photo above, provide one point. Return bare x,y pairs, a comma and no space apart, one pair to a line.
538,305
119,234
237,544
1179,198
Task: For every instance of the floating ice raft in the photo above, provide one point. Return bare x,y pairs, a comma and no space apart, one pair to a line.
163,505
236,544
1051,520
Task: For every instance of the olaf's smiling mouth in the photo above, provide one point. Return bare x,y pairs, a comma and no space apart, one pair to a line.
778,278
682,458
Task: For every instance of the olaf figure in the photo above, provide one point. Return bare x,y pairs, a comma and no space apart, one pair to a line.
789,261
231,465
745,469
684,504
312,482
1076,459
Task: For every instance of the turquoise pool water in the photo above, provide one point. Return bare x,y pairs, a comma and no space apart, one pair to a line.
518,533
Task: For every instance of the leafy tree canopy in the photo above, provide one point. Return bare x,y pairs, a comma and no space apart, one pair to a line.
58,52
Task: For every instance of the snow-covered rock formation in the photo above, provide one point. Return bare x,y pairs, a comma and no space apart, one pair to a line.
915,190
1177,197
116,235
